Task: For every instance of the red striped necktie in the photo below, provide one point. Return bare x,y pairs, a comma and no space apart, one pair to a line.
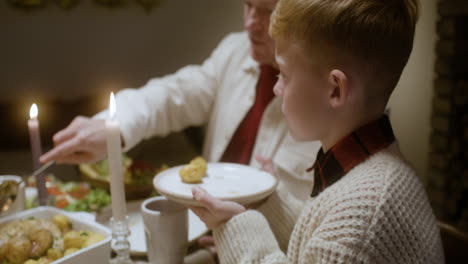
241,145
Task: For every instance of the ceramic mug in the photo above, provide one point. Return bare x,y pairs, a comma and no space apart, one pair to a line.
166,230
20,200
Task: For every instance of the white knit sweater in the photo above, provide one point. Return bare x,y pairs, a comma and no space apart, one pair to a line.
377,213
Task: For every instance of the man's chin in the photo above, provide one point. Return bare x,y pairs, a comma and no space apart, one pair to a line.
260,57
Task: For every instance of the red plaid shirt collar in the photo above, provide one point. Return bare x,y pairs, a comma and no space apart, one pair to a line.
349,152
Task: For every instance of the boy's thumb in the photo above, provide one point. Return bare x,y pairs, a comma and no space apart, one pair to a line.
200,195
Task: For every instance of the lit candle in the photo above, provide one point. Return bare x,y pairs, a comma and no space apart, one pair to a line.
36,150
114,156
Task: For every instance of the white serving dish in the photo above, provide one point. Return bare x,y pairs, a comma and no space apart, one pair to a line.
97,253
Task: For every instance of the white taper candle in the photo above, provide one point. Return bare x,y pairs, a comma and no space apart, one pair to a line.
114,155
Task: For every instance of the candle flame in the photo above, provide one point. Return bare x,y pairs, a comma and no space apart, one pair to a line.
112,106
33,111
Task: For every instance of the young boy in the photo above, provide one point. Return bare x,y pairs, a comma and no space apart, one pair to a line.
339,61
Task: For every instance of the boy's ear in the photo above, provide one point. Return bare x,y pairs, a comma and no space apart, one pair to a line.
339,88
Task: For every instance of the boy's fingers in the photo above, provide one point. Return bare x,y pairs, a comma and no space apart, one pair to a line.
199,211
200,195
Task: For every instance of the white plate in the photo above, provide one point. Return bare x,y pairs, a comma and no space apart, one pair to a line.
137,234
226,181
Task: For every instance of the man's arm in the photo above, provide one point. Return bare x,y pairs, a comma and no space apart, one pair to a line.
163,105
174,102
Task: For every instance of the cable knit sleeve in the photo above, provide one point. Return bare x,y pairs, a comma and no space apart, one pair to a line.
282,211
247,238
260,237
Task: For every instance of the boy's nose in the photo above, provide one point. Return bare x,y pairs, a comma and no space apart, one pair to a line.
277,90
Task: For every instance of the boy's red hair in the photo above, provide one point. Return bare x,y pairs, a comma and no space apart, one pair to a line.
377,34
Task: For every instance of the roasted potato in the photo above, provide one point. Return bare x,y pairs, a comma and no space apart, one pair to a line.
41,242
70,251
92,239
73,239
19,249
194,171
44,260
54,253
62,222
3,248
200,162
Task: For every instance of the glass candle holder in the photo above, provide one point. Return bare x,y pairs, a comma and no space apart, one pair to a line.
120,243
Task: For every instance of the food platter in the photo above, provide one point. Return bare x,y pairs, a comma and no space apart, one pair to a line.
137,175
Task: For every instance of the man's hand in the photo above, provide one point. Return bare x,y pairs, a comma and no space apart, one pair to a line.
267,164
207,242
84,140
215,212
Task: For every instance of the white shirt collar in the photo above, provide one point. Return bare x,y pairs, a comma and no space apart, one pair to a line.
250,65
